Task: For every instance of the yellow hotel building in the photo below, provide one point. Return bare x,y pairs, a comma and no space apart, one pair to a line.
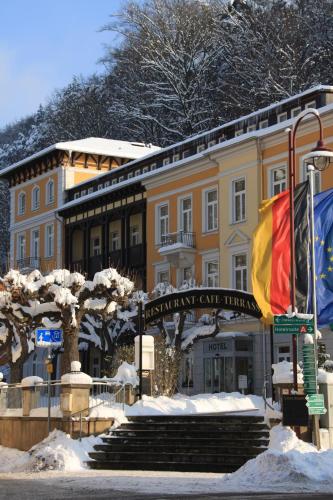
187,211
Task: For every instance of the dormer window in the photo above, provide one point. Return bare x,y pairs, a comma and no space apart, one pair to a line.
21,203
35,201
50,192
263,124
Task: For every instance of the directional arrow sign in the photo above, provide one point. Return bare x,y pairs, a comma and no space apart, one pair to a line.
284,319
317,411
284,324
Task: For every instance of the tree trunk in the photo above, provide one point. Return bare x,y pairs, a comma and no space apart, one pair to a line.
71,349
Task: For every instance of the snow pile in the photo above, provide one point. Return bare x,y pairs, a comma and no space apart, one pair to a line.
324,377
283,373
200,403
288,463
56,452
126,374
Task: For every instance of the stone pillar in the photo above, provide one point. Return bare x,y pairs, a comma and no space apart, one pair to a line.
30,396
75,391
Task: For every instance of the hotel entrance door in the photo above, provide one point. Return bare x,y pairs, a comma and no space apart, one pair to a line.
218,374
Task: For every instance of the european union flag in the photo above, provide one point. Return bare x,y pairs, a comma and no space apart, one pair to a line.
323,214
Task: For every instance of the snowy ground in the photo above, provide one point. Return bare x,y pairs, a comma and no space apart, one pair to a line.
288,465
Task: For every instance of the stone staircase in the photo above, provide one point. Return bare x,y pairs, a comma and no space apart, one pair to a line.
192,443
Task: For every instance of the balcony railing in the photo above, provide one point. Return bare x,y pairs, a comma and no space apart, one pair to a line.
136,255
28,263
185,239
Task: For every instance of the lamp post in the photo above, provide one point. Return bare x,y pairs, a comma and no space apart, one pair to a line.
320,157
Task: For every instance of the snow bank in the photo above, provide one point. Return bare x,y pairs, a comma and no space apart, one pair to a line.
56,452
181,404
288,462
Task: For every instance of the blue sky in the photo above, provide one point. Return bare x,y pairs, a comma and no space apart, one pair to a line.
43,43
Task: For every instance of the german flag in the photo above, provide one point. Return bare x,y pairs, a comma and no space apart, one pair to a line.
271,253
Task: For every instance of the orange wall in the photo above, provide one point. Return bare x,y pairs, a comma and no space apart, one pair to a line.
204,242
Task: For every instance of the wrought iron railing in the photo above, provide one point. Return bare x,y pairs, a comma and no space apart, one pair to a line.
185,238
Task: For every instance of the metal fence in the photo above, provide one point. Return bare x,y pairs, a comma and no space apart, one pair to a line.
10,397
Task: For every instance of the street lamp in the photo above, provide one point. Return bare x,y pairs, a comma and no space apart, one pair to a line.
320,157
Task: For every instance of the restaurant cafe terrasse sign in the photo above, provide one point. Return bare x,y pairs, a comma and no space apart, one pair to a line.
202,298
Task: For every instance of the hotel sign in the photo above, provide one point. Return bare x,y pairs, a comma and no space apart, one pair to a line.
202,298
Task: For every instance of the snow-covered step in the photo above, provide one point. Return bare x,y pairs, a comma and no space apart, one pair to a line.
218,443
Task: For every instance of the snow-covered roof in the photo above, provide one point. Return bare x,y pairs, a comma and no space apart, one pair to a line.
93,145
144,178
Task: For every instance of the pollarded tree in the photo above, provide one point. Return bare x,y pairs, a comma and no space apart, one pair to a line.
58,299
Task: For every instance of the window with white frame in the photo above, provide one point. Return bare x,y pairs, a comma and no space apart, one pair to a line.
90,190
187,274
251,128
282,117
83,192
49,192
166,161
283,353
211,276
239,268
211,143
221,138
96,246
115,241
296,111
49,241
238,201
35,243
162,275
153,166
278,180
121,178
134,235
145,170
317,178
99,187
163,222
21,203
114,181
186,153
186,215
21,246
137,172
201,148
107,184
263,124
35,199
311,104
176,157
211,210
238,133
76,196
129,175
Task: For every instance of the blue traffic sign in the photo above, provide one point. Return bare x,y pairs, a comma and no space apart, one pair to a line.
49,337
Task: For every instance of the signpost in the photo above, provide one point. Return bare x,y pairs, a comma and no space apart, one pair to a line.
49,337
284,324
315,404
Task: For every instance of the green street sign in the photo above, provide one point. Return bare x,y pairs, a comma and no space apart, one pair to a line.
317,397
284,324
284,319
317,411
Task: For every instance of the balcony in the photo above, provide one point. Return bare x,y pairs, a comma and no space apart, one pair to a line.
28,264
178,248
115,258
136,255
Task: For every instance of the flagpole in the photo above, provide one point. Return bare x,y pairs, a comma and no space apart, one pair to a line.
315,420
291,171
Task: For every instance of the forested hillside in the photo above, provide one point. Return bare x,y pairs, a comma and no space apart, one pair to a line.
184,66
